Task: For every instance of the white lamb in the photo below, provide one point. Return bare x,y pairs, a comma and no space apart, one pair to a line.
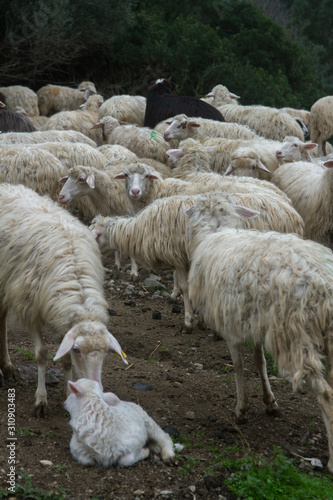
126,108
55,98
155,237
266,121
51,277
321,123
81,120
108,431
293,149
50,135
310,188
142,141
275,290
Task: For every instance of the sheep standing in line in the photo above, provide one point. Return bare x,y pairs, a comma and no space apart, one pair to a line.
321,124
48,136
162,103
310,188
264,120
55,98
33,167
278,294
19,95
108,431
81,120
51,275
155,237
126,108
142,141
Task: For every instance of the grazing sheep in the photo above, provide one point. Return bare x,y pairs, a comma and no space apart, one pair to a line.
162,104
81,120
33,167
293,149
181,127
245,162
48,136
310,188
321,124
14,121
142,141
55,98
108,431
277,292
264,120
51,276
126,108
155,237
18,95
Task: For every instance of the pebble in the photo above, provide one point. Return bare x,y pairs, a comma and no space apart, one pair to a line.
46,463
156,315
176,309
189,415
142,386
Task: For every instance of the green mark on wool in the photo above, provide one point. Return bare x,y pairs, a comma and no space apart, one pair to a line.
153,134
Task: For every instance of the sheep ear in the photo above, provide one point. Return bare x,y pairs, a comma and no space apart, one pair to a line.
328,163
66,345
2,104
310,145
153,176
193,124
261,166
189,211
96,233
111,399
74,387
209,149
211,94
91,181
168,123
63,180
98,125
120,176
115,346
229,170
246,213
234,96
175,153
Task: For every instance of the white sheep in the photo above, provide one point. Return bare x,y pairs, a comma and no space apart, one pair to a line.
310,188
50,135
55,98
293,149
181,127
82,120
321,124
142,141
71,154
19,95
246,162
108,431
266,121
51,276
32,167
155,237
274,290
126,108
117,154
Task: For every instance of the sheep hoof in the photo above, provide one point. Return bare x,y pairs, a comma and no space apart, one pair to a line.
202,325
241,418
40,410
186,329
9,373
273,410
134,277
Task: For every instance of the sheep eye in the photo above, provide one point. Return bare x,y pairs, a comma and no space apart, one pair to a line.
76,350
178,126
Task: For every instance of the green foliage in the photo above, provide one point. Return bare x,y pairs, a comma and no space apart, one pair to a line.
27,491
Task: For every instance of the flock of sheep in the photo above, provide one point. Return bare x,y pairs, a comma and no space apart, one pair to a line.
232,198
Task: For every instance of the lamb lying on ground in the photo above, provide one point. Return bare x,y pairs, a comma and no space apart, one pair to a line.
108,431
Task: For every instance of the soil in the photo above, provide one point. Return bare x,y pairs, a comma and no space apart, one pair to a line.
186,383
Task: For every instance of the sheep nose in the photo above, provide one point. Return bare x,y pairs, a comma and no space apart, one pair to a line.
278,154
135,192
166,135
61,198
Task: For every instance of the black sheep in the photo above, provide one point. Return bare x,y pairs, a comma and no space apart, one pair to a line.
14,121
163,104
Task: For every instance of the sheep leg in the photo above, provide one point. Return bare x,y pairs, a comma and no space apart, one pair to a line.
68,372
7,370
268,397
160,443
325,399
117,262
183,285
132,458
41,356
176,290
79,453
134,269
242,400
